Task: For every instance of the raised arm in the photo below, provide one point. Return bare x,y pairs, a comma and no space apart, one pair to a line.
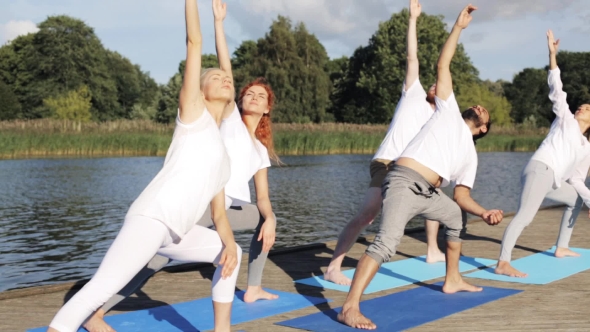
556,94
553,48
412,68
444,81
191,105
219,13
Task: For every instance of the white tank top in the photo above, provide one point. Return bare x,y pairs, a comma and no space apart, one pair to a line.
196,168
247,156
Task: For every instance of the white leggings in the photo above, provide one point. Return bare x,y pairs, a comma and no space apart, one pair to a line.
138,241
537,184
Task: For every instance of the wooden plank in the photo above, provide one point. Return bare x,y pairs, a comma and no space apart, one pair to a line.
564,304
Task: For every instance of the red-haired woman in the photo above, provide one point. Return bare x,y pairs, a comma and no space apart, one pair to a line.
247,136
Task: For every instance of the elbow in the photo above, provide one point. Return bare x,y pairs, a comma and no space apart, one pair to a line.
194,41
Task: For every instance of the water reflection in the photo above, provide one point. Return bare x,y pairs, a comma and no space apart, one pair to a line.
58,216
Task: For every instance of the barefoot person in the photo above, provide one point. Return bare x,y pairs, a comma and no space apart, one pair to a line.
247,135
415,107
162,219
442,152
561,156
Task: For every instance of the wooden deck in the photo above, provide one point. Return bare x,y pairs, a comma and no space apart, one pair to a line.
561,305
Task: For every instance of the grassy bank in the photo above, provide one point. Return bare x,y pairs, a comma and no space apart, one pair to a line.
50,138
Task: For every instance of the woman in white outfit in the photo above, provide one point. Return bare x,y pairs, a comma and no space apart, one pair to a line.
557,170
246,133
163,218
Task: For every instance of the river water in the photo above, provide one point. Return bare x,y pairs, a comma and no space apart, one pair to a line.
59,216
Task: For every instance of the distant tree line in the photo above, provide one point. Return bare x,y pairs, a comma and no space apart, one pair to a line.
63,71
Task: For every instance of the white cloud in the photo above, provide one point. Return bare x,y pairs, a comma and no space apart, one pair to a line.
13,29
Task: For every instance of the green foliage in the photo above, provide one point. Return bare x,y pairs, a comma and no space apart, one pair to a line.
528,93
293,61
72,105
576,79
371,86
9,105
480,94
65,54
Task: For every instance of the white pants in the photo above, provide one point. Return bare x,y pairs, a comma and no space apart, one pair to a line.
138,241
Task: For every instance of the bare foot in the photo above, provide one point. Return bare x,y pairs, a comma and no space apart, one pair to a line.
565,252
435,256
96,323
506,269
255,293
354,318
337,277
451,287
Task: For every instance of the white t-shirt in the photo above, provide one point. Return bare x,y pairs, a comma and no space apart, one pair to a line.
445,145
565,146
411,114
247,156
196,169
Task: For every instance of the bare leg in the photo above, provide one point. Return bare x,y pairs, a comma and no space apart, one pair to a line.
433,254
351,314
222,314
453,281
367,212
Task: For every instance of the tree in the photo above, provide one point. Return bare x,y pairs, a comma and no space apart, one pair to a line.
73,105
479,94
293,62
10,107
65,54
528,93
373,81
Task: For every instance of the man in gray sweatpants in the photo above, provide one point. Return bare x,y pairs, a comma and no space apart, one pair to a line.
443,152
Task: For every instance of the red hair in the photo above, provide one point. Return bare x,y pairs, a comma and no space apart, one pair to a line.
263,131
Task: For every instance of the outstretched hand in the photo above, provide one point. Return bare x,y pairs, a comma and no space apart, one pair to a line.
493,217
415,8
552,43
465,16
219,10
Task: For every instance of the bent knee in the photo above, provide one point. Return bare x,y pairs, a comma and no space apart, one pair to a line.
380,251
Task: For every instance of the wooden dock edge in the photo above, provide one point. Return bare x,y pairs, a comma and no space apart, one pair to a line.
37,290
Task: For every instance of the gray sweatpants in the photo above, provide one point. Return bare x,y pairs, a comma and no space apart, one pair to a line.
537,184
407,194
240,218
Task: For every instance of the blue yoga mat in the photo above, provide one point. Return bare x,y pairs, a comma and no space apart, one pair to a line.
403,310
542,268
401,273
197,315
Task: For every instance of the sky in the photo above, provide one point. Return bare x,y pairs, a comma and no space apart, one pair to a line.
504,37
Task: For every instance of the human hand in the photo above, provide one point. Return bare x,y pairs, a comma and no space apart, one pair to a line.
493,217
552,43
465,16
267,234
415,9
219,10
229,260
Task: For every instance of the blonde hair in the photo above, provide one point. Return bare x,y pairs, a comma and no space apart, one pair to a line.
204,73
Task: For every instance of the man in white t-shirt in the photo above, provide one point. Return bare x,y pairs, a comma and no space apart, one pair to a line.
443,152
414,108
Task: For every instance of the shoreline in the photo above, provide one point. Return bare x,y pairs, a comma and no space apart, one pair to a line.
72,285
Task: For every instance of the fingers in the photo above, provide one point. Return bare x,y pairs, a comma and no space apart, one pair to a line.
470,8
229,262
